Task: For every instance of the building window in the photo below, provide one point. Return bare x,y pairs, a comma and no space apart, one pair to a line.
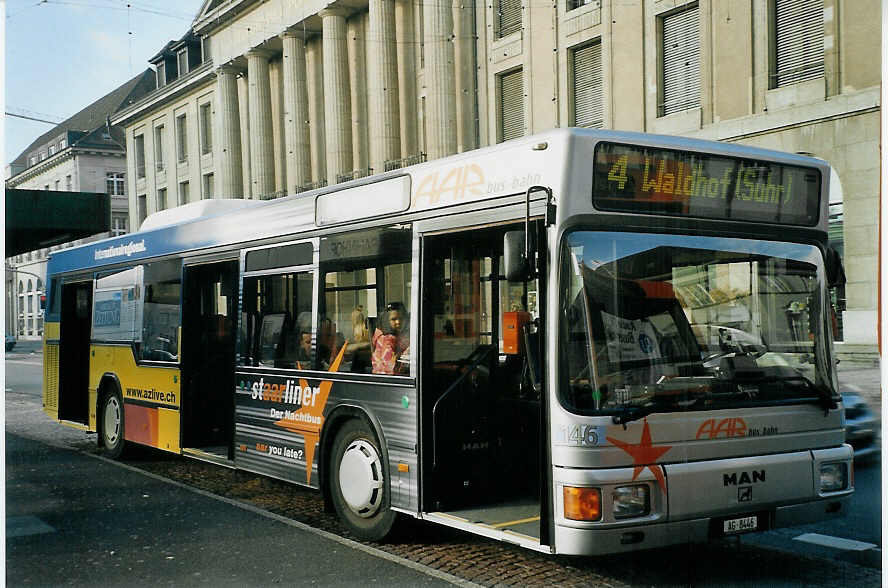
208,186
183,193
798,42
181,139
205,49
63,143
510,91
508,17
68,184
574,4
162,199
143,208
140,156
42,155
51,150
680,87
32,160
46,187
114,184
161,75
206,128
56,186
588,88
119,224
158,147
182,58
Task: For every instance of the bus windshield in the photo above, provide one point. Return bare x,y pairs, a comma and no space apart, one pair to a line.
662,323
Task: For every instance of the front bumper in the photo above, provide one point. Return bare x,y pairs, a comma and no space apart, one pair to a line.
573,541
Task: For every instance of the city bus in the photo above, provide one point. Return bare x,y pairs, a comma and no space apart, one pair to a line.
580,342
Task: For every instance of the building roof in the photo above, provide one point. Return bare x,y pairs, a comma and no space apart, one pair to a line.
90,122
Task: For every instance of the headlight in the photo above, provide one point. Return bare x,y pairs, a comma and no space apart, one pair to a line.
631,501
833,476
582,504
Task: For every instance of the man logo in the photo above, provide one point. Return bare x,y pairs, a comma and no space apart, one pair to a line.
744,494
734,479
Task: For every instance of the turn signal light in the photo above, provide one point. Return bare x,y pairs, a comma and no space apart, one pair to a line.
582,504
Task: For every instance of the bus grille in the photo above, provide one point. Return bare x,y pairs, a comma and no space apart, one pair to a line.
51,378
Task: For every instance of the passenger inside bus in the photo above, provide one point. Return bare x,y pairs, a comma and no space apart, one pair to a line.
391,342
358,350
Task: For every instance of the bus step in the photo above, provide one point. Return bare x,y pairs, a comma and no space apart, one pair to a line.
209,454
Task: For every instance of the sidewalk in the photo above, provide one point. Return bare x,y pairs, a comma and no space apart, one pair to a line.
76,519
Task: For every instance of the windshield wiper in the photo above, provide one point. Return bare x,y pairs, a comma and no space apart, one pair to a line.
824,396
633,413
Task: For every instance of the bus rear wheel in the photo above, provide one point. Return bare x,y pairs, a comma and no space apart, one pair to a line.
112,420
359,483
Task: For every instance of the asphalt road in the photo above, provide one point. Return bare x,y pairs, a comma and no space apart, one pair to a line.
783,556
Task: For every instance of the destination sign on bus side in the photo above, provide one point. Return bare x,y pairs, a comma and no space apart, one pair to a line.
650,180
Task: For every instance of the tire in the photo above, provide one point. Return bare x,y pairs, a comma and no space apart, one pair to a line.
112,423
359,482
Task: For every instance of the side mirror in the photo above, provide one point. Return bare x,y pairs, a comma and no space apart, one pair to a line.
835,271
517,265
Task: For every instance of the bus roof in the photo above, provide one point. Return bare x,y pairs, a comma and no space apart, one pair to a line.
480,175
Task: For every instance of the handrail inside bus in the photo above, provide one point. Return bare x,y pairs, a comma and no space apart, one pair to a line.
451,388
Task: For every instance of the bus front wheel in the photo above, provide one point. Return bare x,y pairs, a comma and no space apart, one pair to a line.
359,485
112,424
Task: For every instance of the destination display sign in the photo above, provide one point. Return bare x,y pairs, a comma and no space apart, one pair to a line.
651,180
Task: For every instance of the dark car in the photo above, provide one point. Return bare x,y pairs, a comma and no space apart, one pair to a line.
10,342
862,427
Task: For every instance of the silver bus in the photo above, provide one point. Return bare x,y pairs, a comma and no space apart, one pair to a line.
580,342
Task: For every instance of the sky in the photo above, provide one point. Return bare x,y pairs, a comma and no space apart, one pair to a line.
63,55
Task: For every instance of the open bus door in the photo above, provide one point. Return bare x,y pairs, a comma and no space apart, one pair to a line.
74,343
209,320
481,390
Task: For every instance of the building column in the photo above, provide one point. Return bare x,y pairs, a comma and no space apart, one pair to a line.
243,96
337,94
357,68
405,32
296,136
464,55
439,79
382,85
314,69
261,141
231,180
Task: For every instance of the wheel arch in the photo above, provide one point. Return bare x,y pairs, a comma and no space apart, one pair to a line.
332,424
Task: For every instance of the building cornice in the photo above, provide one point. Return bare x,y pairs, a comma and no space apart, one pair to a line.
161,96
221,15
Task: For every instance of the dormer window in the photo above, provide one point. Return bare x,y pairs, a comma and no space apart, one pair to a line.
32,160
51,150
42,155
182,58
205,49
161,75
63,144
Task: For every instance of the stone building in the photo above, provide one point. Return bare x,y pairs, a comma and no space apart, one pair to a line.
84,153
272,97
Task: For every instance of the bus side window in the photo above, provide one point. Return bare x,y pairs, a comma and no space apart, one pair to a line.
277,321
160,312
365,275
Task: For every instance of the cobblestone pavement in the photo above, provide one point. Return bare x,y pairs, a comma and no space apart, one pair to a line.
490,563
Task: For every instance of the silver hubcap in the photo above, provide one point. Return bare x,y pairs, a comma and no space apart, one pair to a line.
111,428
360,478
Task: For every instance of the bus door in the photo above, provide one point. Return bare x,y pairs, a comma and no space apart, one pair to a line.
209,311
480,409
74,343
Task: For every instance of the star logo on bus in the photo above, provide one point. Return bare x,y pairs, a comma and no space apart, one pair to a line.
645,455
